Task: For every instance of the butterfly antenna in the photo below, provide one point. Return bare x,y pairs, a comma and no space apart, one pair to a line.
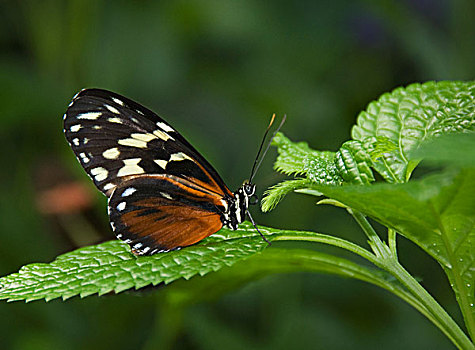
258,162
260,147
255,226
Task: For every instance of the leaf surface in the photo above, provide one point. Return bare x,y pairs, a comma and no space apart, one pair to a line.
399,121
437,213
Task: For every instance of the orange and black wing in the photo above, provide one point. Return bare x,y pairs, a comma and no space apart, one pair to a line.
157,213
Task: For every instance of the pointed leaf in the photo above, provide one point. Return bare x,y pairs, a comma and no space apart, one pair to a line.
276,193
111,267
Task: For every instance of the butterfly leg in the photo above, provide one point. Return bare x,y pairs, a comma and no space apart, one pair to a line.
255,226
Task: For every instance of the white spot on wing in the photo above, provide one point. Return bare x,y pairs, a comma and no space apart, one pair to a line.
75,128
86,140
116,100
112,153
84,158
179,156
128,192
137,245
90,115
161,163
76,142
162,135
115,120
130,167
165,127
108,186
143,137
99,173
97,127
140,139
112,109
132,143
121,206
166,195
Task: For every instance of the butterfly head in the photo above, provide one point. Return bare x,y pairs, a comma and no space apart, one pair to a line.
249,191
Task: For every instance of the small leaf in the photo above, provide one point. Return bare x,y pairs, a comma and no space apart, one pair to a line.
353,163
297,158
276,193
292,156
407,116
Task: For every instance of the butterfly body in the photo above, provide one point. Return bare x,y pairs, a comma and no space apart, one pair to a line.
163,194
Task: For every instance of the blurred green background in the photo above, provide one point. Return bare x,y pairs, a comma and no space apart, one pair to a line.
216,70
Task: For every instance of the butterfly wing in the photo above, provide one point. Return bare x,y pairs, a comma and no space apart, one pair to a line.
114,138
156,213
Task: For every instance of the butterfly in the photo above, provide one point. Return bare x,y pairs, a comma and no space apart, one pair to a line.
162,193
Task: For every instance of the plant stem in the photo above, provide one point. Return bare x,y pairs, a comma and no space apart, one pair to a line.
392,241
449,326
379,248
330,240
388,261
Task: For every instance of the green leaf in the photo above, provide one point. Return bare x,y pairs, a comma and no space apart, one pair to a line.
276,193
457,149
437,213
404,118
111,267
353,163
296,158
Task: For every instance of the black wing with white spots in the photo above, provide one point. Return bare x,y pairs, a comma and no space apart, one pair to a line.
115,138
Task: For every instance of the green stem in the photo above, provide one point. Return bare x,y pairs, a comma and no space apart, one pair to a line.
450,328
379,248
388,261
392,241
330,240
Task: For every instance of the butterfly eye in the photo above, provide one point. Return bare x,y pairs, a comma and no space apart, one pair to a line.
249,189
